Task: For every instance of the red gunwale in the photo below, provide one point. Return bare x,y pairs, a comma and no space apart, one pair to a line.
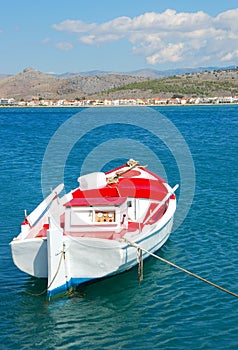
115,194
133,187
117,170
98,201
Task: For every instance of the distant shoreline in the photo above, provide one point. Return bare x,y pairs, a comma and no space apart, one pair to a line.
120,106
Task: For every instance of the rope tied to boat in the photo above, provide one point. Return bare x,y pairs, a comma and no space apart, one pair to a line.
62,256
131,164
141,249
140,264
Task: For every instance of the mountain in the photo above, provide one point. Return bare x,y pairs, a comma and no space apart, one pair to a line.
144,83
31,83
157,74
145,73
213,83
86,74
3,76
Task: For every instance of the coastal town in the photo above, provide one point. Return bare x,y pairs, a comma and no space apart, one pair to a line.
32,88
11,102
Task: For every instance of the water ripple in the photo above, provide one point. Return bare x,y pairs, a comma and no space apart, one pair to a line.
169,309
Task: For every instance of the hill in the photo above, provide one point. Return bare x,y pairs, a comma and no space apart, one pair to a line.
3,76
31,83
213,83
145,73
34,84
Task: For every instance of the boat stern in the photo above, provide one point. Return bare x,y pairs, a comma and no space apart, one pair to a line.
30,256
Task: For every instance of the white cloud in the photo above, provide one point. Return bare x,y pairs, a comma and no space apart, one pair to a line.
64,46
46,41
173,53
74,26
172,37
228,20
230,56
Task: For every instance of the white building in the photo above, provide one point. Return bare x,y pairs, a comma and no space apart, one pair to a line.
7,101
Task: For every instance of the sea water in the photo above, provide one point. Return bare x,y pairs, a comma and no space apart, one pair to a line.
169,309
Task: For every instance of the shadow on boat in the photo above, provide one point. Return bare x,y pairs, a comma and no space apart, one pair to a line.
115,284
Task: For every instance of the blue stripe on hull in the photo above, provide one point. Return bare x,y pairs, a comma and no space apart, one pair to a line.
74,282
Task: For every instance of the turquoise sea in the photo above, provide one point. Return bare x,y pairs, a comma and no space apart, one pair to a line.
197,147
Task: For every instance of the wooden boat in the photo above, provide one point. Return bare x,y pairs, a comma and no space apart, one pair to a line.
84,234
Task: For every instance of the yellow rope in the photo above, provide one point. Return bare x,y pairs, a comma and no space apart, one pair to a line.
133,244
140,265
56,273
131,163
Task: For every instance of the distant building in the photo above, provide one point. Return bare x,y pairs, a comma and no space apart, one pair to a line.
7,101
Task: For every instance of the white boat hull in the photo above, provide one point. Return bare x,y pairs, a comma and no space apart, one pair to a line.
30,256
109,257
86,234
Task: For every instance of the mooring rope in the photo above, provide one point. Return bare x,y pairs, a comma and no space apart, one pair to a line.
138,247
113,179
58,268
140,265
55,275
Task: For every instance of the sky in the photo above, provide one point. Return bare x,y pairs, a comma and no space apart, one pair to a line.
60,36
